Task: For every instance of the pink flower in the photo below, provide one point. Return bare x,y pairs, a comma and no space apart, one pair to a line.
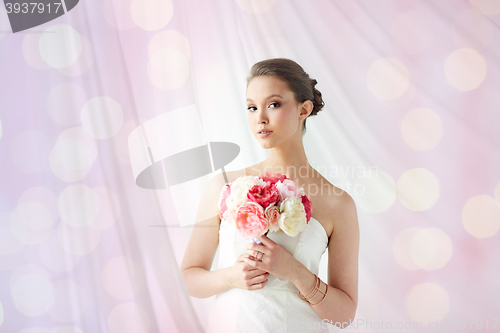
288,189
307,206
273,179
230,216
272,213
222,200
250,220
265,195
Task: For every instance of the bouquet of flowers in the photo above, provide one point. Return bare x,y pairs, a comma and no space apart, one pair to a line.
259,204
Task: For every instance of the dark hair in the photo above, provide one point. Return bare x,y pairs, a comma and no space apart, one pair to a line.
298,81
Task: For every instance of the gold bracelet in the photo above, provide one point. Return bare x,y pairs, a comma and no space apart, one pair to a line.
324,295
313,292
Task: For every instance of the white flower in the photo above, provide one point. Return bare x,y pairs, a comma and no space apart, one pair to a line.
293,217
239,190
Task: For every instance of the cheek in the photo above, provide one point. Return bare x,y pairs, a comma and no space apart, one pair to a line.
287,120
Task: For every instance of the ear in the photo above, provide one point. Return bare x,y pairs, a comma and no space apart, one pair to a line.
306,109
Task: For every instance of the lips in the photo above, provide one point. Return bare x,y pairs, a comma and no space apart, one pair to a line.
264,133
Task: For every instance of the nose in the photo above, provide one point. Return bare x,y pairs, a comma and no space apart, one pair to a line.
262,118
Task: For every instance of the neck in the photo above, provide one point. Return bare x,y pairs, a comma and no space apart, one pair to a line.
289,159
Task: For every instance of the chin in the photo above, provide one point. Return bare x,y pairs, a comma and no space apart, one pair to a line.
266,145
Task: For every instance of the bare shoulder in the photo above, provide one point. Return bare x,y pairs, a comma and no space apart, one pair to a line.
336,208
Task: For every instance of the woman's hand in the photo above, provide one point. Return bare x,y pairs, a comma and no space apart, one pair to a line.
244,276
276,260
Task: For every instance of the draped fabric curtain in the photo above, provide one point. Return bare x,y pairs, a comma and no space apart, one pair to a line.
115,116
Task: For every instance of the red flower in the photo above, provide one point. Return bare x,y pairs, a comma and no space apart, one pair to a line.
307,206
264,195
273,179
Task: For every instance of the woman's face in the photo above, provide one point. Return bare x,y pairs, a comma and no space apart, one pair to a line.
271,105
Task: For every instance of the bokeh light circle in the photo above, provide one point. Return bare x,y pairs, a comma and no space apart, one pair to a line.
54,257
31,222
401,248
35,330
65,102
66,308
60,45
422,129
151,14
102,117
9,244
481,216
170,39
122,277
78,241
374,192
73,154
78,205
427,302
33,294
168,68
465,69
31,52
128,318
431,248
109,208
83,63
388,79
13,253
118,14
418,189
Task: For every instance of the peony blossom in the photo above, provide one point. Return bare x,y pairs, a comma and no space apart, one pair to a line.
293,217
265,195
308,207
250,220
222,200
289,189
272,213
273,179
239,189
230,215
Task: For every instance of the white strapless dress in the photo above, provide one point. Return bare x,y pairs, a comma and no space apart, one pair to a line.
276,308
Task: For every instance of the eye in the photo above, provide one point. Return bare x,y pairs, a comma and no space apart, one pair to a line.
251,108
274,105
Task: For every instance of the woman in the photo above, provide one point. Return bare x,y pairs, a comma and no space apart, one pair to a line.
273,287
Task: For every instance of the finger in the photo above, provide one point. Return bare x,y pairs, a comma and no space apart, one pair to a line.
265,240
254,253
252,262
254,246
259,278
258,285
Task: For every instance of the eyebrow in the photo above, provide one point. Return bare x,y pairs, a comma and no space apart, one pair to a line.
268,97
